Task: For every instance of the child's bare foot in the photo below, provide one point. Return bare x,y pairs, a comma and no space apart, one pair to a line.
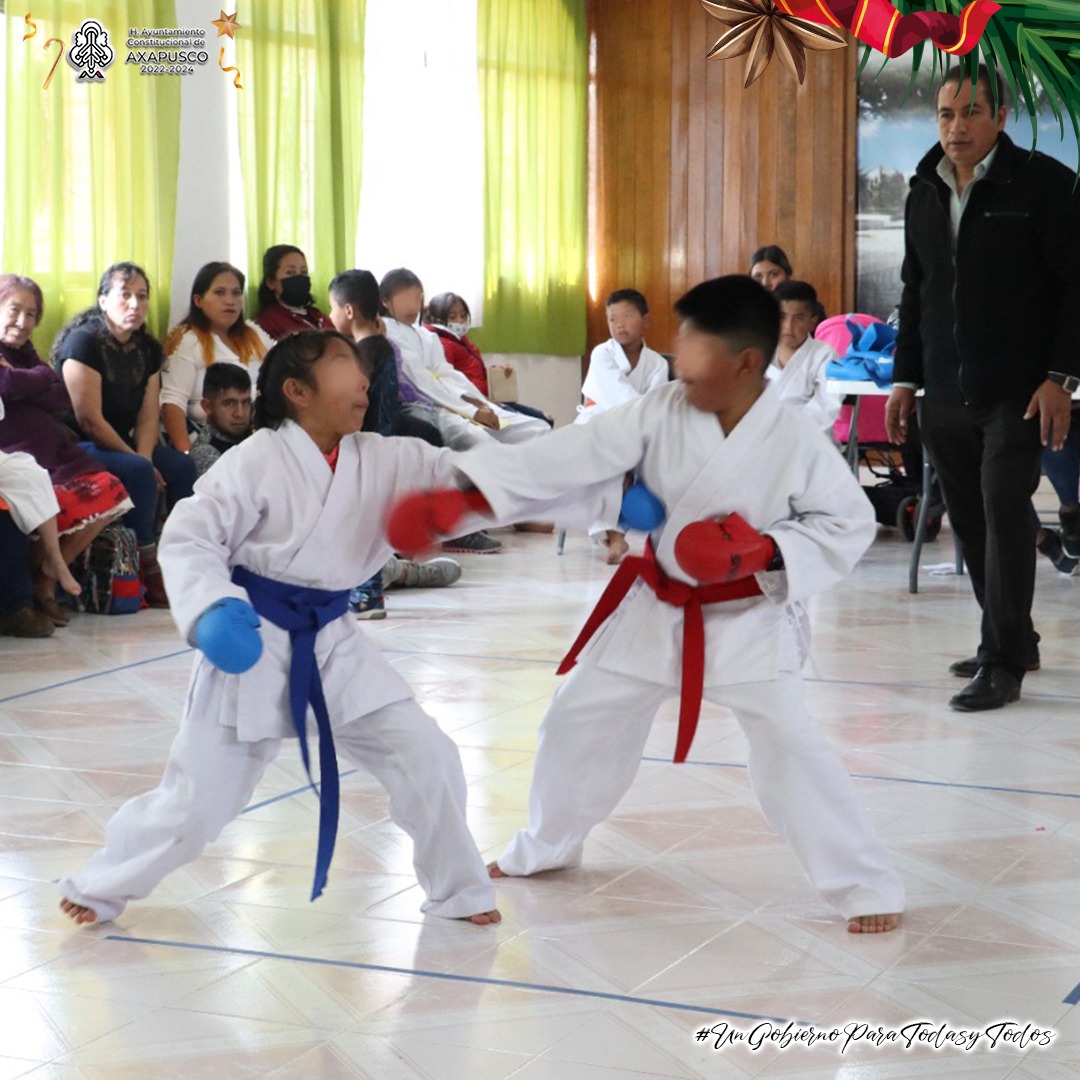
486,918
616,545
78,912
873,924
494,871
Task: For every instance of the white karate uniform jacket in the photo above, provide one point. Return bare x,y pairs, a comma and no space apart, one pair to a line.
26,488
774,469
424,364
272,505
801,382
611,381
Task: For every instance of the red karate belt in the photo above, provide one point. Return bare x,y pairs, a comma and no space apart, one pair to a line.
691,598
879,24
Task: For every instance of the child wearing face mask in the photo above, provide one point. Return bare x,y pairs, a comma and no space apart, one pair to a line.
448,317
285,301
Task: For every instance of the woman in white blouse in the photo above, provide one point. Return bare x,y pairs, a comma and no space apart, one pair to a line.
213,330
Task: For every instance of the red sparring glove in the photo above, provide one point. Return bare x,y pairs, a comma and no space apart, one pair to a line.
730,550
419,521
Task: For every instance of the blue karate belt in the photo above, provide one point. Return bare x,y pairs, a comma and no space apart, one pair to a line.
303,613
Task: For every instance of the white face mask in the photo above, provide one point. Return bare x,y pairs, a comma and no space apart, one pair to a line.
458,329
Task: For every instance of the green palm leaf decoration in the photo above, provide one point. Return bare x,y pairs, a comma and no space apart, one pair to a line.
1035,44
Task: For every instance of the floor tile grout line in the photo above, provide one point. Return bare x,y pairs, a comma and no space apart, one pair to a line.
508,660
445,976
897,780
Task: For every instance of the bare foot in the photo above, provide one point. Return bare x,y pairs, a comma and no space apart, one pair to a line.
873,924
80,913
616,545
494,871
486,918
63,576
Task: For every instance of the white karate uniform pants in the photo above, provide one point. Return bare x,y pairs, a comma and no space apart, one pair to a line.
210,777
590,747
461,434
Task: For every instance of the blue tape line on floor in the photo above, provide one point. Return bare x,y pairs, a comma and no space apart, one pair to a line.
509,984
94,675
1074,997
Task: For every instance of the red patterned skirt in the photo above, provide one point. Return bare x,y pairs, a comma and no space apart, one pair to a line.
88,498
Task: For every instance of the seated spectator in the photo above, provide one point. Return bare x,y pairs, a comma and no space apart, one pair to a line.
111,367
621,370
28,506
226,404
770,267
448,317
465,417
798,368
395,407
214,331
285,301
35,400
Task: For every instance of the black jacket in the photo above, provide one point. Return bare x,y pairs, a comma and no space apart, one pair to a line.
987,325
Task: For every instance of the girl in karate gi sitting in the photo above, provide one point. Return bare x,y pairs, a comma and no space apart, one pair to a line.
259,564
761,513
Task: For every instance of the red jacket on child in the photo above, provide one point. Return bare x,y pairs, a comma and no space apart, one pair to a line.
462,354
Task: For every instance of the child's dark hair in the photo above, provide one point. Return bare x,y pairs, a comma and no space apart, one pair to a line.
224,376
771,253
438,309
359,289
797,290
736,308
629,296
374,351
394,281
293,357
272,257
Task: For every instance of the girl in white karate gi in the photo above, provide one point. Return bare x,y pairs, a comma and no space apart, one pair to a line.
761,513
295,513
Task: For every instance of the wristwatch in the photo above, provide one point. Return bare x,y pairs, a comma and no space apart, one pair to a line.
1069,383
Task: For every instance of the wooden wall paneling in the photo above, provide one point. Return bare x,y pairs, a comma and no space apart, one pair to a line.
696,171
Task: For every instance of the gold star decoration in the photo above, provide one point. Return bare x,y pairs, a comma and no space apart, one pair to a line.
760,28
227,24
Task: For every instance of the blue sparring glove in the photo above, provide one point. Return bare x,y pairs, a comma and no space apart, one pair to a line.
641,509
228,633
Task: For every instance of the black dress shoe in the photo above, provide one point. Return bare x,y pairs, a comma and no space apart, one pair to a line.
992,688
969,668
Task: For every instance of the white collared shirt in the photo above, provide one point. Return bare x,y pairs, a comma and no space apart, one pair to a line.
958,200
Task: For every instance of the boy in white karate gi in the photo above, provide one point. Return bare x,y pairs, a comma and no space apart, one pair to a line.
798,367
279,530
761,513
465,417
621,369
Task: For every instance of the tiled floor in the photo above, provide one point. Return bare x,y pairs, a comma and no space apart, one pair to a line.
688,913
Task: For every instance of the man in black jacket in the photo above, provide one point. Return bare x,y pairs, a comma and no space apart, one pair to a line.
987,329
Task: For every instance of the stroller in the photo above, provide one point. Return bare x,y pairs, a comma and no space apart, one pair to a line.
865,345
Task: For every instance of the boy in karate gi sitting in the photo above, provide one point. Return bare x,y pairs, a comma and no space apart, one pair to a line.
761,513
621,369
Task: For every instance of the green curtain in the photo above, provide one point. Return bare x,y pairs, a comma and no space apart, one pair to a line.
89,170
533,60
302,69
